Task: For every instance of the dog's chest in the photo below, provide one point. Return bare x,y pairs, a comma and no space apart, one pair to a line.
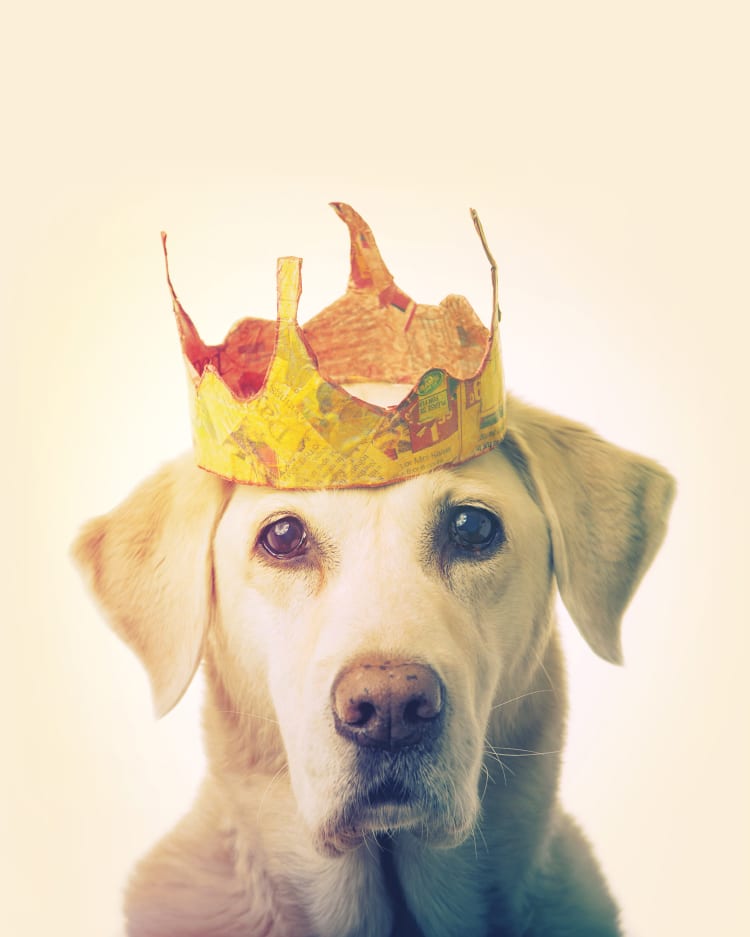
389,889
431,892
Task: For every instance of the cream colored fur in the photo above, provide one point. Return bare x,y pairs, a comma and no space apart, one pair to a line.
275,844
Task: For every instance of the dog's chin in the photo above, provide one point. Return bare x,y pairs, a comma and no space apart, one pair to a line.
349,829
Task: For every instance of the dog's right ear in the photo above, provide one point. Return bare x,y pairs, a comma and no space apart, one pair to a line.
148,562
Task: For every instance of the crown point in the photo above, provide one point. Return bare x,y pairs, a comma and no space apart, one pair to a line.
497,315
288,287
367,268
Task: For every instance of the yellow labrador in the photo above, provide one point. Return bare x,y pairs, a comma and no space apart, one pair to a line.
374,660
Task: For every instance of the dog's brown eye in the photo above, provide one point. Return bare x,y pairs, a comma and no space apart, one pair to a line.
284,538
475,529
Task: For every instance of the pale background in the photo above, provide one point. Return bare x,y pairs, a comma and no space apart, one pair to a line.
605,147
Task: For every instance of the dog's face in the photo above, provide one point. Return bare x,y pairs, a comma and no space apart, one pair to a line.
366,639
384,625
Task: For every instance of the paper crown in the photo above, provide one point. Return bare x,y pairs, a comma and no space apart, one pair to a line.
270,406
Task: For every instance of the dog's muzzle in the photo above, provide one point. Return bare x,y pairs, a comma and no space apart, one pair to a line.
388,704
397,771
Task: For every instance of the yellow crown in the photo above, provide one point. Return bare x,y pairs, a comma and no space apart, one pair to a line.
269,405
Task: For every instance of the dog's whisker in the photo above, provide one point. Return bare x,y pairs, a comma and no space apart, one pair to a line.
481,833
506,771
474,840
282,770
523,752
369,840
492,753
522,696
243,712
545,672
487,779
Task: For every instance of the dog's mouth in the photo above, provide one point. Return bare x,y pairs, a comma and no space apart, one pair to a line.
391,793
397,778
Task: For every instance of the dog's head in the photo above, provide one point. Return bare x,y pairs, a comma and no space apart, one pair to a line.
365,638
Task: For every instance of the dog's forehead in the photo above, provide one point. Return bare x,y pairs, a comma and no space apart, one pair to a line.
489,479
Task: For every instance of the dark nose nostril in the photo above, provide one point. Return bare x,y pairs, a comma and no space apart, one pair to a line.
387,703
360,714
418,709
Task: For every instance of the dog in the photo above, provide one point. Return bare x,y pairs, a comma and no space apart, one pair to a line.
385,693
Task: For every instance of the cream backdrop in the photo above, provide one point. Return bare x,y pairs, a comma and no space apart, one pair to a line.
605,148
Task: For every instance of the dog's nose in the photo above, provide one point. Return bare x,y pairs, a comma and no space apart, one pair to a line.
387,703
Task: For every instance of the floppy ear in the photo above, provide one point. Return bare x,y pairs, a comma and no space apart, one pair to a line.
607,513
148,562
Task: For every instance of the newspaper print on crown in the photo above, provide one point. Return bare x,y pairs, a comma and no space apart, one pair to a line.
268,406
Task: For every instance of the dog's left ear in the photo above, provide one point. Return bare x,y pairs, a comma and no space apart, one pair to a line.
149,565
607,512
